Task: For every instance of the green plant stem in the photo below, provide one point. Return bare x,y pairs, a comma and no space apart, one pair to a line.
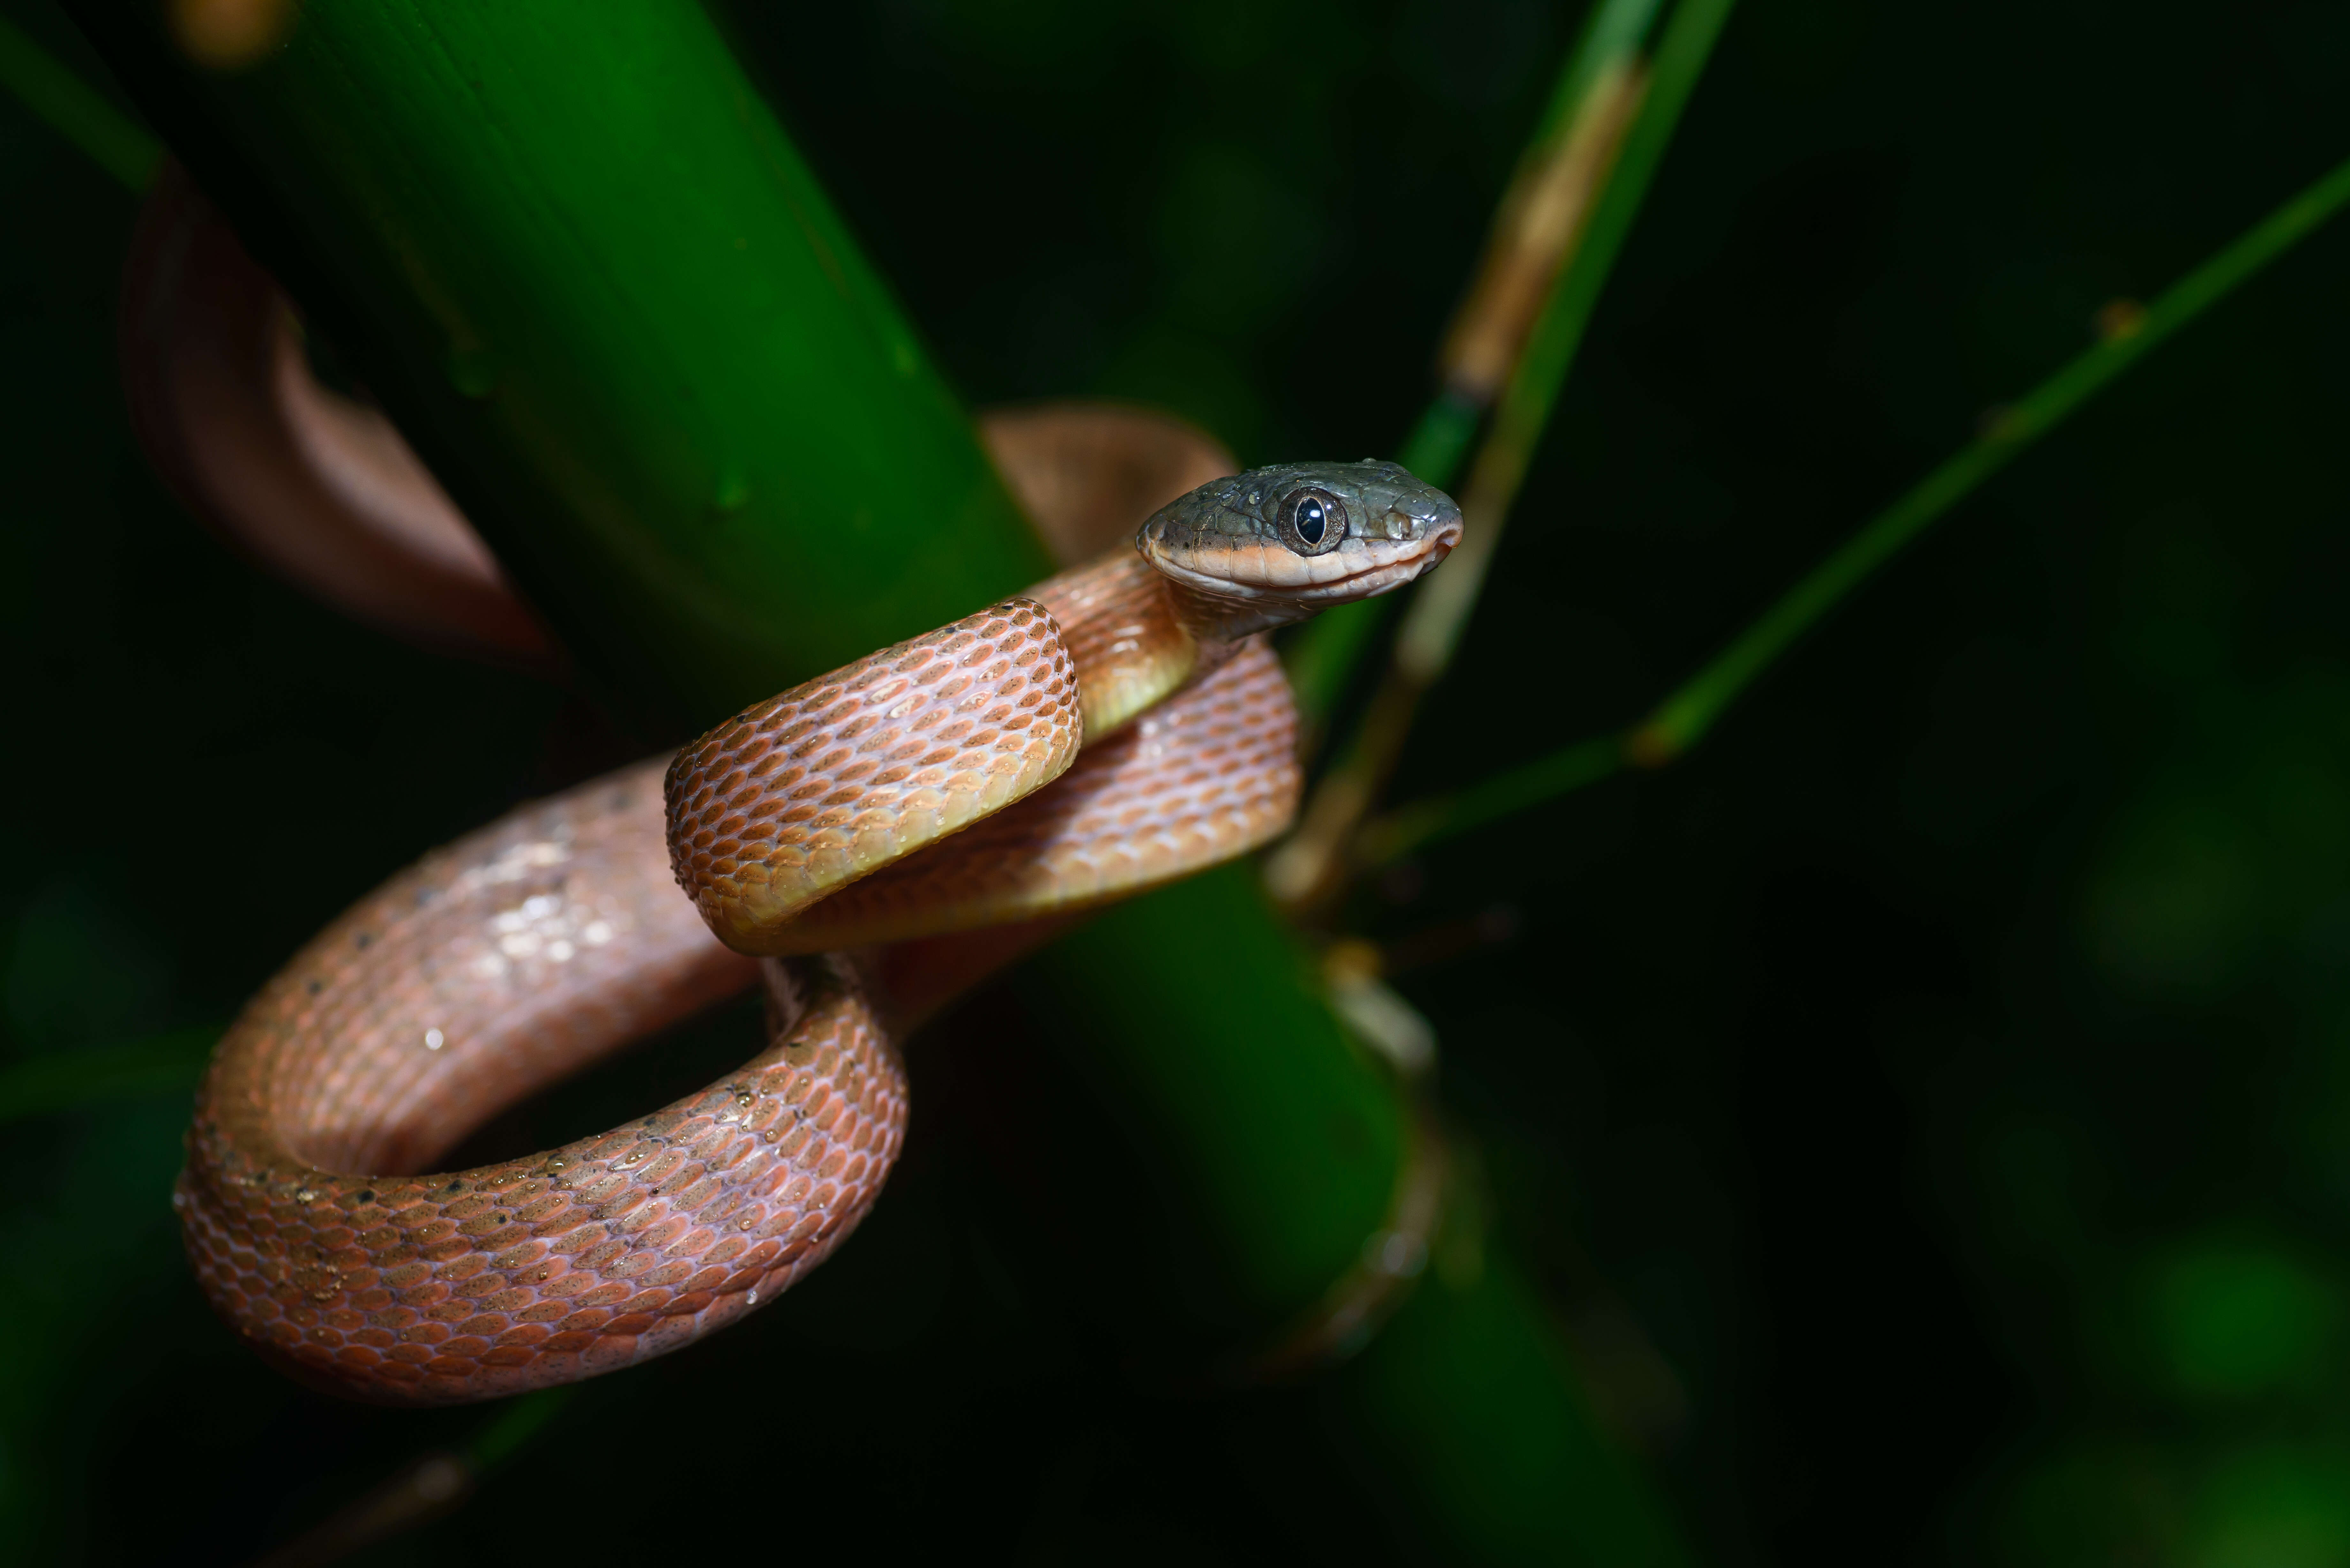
1308,871
1684,718
1422,823
1441,610
1612,34
69,105
1325,654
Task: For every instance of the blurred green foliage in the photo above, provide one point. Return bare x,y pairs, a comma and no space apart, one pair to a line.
1927,1111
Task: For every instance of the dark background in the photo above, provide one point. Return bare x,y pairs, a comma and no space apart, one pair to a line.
1927,1108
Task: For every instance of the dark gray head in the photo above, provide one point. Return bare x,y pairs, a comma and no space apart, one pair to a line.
1275,544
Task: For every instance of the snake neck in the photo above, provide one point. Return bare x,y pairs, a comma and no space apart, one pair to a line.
1135,635
1225,620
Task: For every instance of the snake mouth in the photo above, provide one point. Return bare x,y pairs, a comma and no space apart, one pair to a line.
1269,573
1361,584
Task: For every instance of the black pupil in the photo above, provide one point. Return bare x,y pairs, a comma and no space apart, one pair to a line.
1311,521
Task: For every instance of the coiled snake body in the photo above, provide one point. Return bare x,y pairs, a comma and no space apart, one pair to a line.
804,829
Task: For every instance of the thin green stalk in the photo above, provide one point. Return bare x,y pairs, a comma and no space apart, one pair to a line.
1309,870
1441,610
1684,718
1688,713
1325,654
1613,32
1545,778
71,108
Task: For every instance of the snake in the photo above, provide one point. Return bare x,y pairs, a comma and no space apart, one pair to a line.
862,847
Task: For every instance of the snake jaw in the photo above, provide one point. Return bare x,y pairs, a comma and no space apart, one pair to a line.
1275,583
1227,548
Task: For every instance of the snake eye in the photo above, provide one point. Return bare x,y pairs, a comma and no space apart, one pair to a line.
1312,522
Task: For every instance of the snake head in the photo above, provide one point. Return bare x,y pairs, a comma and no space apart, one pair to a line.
1275,544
